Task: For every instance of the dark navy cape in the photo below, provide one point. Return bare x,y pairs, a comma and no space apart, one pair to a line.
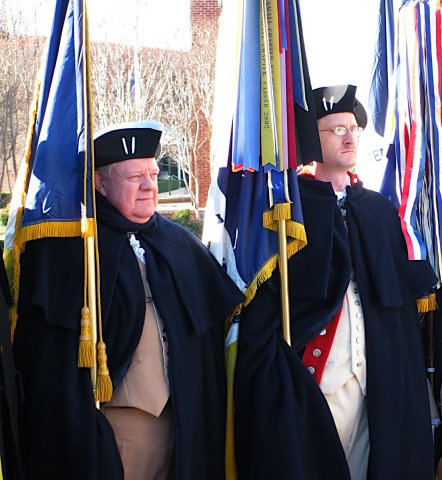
9,389
283,426
64,436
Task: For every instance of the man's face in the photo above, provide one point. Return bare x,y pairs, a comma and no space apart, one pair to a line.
131,187
338,152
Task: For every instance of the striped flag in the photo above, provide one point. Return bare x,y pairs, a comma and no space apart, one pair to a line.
264,126
413,123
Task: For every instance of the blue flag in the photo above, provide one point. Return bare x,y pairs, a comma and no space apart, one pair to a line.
54,185
383,65
53,192
264,126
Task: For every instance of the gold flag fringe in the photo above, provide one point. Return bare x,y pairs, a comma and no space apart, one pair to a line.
427,304
55,229
12,265
422,305
269,267
432,303
280,211
104,383
12,257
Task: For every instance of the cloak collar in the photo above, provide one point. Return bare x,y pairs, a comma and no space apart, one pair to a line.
109,215
319,187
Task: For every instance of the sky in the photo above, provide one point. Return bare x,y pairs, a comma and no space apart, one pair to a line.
166,22
340,38
339,35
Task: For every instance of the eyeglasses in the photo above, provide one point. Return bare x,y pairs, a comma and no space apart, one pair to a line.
341,131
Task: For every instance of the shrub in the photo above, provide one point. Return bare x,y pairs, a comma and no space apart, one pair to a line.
4,215
182,217
166,185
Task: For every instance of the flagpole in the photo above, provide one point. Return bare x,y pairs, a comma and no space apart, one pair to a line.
283,271
90,240
429,316
92,301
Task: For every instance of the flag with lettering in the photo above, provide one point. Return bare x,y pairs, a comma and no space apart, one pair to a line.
264,127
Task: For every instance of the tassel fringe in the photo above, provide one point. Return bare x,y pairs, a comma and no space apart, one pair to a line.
104,383
85,347
50,229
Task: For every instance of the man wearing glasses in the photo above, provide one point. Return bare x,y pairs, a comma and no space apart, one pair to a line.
348,398
367,359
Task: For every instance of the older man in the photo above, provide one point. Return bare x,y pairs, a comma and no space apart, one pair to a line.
354,325
163,302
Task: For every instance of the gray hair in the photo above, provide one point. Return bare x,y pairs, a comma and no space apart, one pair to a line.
106,170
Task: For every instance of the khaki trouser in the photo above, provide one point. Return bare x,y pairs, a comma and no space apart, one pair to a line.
146,443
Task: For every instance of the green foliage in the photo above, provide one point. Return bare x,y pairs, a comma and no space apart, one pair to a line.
4,215
166,185
183,218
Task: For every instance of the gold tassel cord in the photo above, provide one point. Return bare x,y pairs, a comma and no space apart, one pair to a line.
85,347
103,390
104,384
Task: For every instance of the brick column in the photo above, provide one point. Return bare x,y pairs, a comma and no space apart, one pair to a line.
204,17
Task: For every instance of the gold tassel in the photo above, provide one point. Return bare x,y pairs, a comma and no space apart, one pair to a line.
85,347
104,384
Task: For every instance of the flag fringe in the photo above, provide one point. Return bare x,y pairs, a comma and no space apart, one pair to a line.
55,229
297,231
279,211
11,255
432,303
422,305
11,258
282,211
427,304
13,317
267,270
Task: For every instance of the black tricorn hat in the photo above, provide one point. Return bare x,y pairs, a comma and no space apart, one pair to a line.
337,99
126,141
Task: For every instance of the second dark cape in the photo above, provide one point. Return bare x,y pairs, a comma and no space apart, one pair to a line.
284,428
